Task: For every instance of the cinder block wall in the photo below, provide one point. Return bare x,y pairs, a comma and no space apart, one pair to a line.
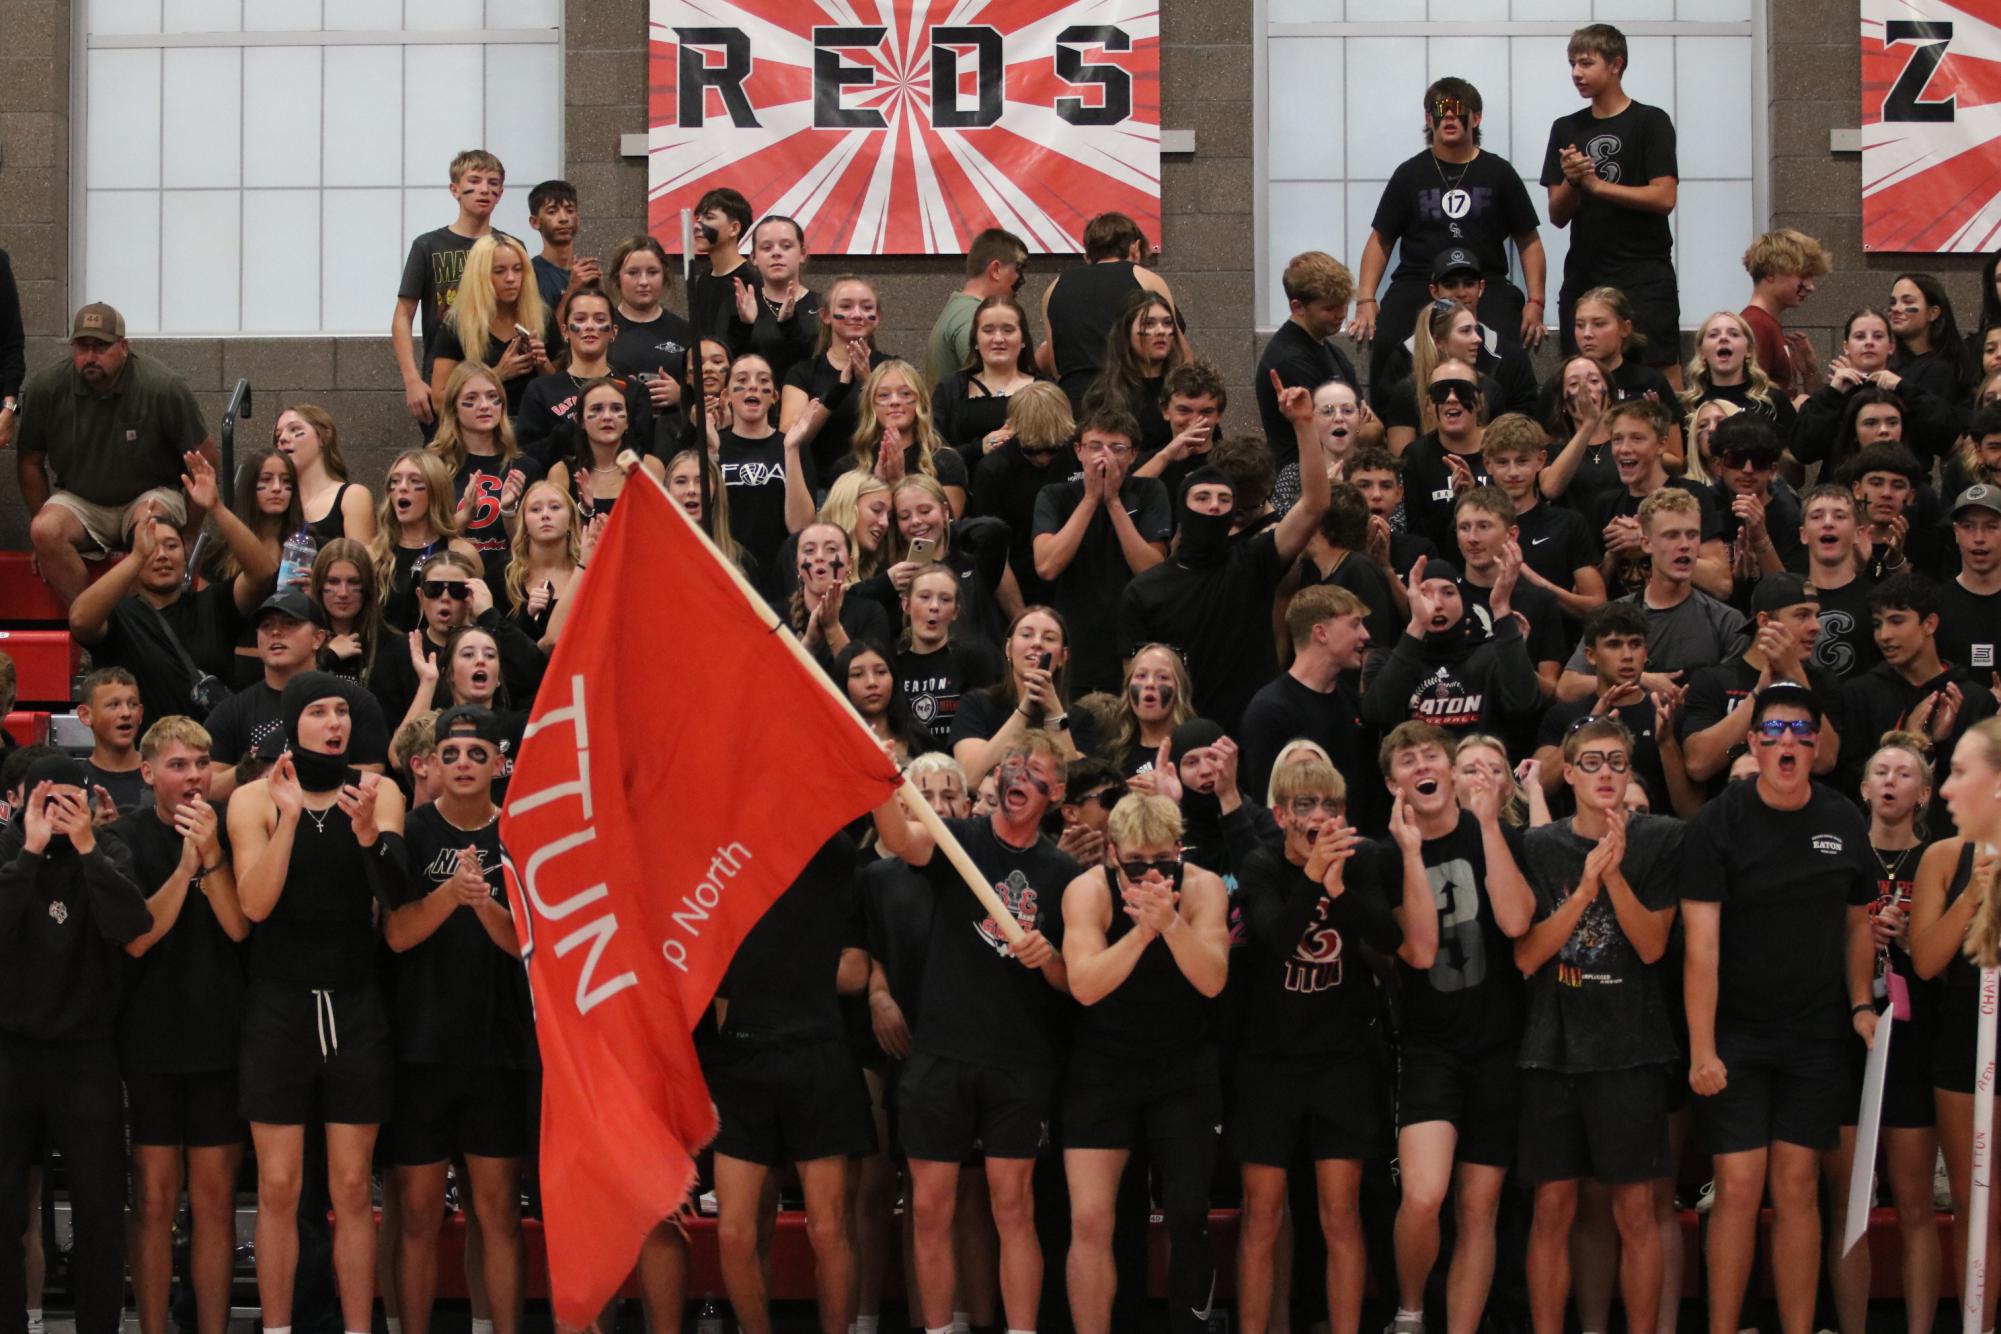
1208,228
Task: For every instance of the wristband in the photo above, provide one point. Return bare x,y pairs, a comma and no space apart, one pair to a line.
1365,301
1856,1009
1533,301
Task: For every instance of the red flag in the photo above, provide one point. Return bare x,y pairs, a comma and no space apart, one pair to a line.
681,766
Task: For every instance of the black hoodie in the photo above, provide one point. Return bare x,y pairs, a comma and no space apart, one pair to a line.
1456,679
1880,700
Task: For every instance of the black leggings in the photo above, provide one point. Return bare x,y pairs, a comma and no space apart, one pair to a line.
71,1093
1184,1161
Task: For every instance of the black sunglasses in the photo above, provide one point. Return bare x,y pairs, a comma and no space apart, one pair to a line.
1106,798
453,588
1465,391
1592,761
1169,867
1804,730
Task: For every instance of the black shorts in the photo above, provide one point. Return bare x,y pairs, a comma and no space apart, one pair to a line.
1656,303
1324,1104
443,1112
1777,1088
1479,1095
1907,1083
1608,1125
788,1104
945,1106
1954,1040
308,1055
1111,1104
195,1111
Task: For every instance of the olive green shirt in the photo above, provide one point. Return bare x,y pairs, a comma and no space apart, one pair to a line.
111,449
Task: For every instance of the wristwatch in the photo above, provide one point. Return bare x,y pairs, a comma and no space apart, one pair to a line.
1059,722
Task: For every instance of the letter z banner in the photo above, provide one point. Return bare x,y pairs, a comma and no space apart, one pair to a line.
1931,125
905,127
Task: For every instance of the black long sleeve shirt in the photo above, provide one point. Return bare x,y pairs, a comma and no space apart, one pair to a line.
65,920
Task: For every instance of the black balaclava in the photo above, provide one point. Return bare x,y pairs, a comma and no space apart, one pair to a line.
1455,640
55,769
318,771
1196,807
1205,538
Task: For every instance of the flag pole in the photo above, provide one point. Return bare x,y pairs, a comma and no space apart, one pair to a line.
913,800
1973,1289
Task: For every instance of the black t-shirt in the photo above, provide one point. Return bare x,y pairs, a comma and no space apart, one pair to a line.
1595,1005
1556,543
660,343
1005,486
1639,720
1714,691
982,714
1469,1002
1083,303
251,722
1302,985
781,980
833,449
1366,580
966,412
1629,576
754,480
933,683
1218,617
127,786
549,405
1286,710
1090,588
460,1000
1847,643
1302,362
1786,880
1429,206
1633,148
782,343
205,621
1427,488
896,913
446,345
980,1006
1969,624
184,1005
431,279
484,476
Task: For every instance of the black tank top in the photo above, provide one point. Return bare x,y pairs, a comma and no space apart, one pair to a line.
332,525
322,932
1155,1009
400,611
1081,311
1961,978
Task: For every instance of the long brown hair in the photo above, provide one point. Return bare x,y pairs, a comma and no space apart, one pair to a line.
368,621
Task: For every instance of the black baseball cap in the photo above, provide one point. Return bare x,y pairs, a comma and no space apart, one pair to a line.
293,603
1782,589
1455,259
468,720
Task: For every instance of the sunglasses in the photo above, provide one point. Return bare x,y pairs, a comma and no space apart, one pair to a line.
1304,807
1465,391
1593,760
1106,798
453,754
1804,731
1441,107
1169,867
457,589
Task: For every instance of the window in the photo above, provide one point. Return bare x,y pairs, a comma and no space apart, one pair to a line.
260,166
1341,82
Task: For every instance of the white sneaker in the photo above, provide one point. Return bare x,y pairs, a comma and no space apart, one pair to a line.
1707,1198
1941,1185
1405,1324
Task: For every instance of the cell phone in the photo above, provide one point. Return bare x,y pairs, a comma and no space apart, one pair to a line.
924,550
646,377
1044,660
527,339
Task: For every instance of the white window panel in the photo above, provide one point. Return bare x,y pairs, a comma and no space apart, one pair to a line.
1360,210
1713,11
443,108
281,127
122,238
1539,92
1711,74
519,129
1714,224
201,108
122,111
1456,11
1304,74
1388,11
204,15
1386,79
443,15
200,275
524,13
1652,76
281,261
424,210
1305,215
1612,11
285,15
1468,58
363,15
1562,11
124,16
1306,11
363,121
362,244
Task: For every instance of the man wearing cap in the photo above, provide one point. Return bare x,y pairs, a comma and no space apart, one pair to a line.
290,630
1452,195
1777,879
1969,607
1715,722
1507,376
96,437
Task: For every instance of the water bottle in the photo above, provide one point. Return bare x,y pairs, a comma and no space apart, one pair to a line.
296,566
709,1318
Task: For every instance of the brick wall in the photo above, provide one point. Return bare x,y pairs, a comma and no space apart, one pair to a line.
1208,217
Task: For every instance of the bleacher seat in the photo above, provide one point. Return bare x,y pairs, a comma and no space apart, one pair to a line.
24,599
45,663
28,727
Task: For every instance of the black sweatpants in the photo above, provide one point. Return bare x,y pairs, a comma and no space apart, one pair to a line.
71,1093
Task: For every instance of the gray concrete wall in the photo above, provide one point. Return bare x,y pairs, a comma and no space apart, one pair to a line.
1207,204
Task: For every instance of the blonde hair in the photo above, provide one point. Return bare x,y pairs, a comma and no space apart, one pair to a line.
1983,940
931,487
842,509
448,445
1785,251
867,429
1911,744
173,730
1427,354
1514,805
476,307
825,339
1290,757
1757,384
516,577
716,518
1668,500
1040,415
442,517
1143,820
1302,777
1693,467
418,736
1183,708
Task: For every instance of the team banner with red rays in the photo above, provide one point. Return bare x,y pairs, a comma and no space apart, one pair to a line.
900,127
1931,125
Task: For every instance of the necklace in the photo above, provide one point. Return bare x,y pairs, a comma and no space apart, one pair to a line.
1453,202
319,818
607,468
1893,867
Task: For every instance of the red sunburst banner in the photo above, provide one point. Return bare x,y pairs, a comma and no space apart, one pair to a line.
898,127
1931,125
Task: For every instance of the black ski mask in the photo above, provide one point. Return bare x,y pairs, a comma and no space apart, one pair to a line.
1196,807
62,770
1205,538
318,771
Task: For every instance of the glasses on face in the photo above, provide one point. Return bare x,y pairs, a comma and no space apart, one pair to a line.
1305,807
453,754
1106,798
457,589
1743,464
1441,107
1803,730
1336,410
1465,391
1169,867
1591,761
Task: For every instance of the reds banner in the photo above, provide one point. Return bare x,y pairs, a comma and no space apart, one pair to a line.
895,127
1931,125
